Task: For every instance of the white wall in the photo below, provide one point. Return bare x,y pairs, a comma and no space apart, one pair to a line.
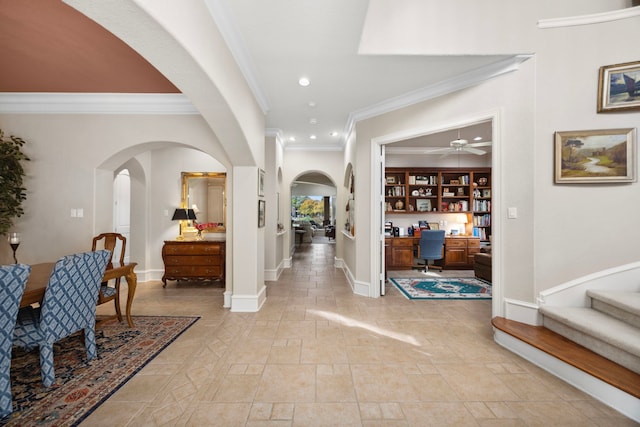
72,162
276,209
562,231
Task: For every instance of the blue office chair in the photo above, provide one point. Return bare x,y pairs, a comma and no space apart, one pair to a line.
13,279
69,305
431,247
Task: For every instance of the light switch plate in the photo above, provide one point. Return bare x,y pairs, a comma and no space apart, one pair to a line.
512,213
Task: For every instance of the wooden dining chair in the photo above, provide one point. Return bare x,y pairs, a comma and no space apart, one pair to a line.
111,242
13,279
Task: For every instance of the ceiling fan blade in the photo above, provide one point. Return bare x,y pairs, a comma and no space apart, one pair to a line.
480,144
474,151
437,150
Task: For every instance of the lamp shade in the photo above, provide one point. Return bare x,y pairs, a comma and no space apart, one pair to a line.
183,214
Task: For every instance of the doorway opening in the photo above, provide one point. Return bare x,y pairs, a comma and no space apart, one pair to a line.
122,209
432,147
313,197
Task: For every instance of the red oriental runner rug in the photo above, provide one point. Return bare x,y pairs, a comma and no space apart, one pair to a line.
81,385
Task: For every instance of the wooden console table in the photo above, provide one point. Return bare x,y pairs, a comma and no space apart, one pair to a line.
193,260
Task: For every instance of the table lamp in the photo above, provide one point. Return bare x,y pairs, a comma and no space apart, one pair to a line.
183,214
464,221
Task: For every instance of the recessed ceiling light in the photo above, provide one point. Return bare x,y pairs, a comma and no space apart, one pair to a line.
477,138
312,104
334,133
313,121
292,138
312,137
304,82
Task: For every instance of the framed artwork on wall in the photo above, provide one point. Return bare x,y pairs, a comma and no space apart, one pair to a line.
595,156
619,87
260,182
261,213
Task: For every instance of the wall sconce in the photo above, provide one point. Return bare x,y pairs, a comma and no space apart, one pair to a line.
183,214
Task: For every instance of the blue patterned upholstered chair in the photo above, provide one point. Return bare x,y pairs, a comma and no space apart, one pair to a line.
13,279
69,305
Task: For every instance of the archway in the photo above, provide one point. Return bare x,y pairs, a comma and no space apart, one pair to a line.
313,200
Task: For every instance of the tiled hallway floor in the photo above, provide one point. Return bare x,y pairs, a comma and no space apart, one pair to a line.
318,355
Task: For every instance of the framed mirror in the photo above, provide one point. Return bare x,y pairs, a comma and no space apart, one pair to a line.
205,193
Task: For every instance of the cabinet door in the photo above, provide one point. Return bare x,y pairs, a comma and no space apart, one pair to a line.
473,247
402,256
455,257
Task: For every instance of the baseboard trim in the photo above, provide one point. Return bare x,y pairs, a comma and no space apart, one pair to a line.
248,303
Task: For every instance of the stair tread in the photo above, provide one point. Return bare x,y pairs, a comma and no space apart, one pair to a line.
572,354
624,300
599,325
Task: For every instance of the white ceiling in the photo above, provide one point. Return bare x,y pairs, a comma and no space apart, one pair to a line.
278,41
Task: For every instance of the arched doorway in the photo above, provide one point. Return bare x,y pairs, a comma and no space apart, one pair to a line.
313,200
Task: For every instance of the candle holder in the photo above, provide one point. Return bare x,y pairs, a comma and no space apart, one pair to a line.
14,242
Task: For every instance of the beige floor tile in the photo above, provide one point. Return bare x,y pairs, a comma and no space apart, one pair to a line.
326,414
472,382
219,414
316,354
438,414
287,383
550,413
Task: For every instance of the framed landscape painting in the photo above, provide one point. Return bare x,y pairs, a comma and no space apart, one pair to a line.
595,156
619,87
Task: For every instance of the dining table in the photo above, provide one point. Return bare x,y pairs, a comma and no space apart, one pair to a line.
40,273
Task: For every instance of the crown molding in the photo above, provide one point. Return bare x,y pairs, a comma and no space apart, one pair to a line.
95,103
462,81
595,18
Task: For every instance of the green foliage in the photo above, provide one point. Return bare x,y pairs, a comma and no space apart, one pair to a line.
311,207
12,192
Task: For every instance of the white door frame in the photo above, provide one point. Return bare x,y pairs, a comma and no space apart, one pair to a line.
377,216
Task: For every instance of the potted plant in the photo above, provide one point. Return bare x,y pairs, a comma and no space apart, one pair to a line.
12,192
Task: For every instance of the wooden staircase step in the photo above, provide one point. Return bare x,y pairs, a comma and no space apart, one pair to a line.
573,354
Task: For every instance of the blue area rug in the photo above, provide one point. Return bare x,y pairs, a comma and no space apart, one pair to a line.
443,288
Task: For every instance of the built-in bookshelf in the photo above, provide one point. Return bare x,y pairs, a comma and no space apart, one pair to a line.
439,190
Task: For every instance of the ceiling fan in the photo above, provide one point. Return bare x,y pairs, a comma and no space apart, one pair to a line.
460,145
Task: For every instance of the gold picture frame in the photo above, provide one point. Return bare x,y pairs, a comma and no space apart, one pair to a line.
619,87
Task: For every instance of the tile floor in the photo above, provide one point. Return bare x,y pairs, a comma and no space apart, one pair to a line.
318,355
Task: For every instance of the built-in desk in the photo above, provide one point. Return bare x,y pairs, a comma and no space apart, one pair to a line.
458,252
